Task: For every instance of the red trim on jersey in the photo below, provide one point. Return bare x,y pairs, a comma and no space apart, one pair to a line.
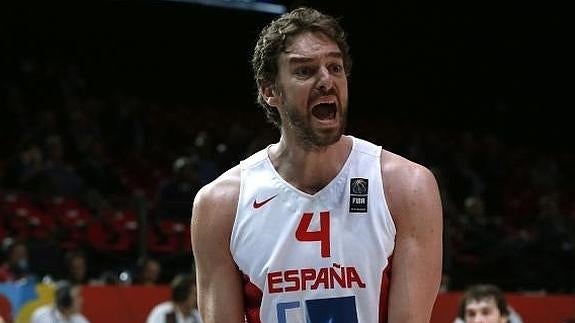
252,300
384,292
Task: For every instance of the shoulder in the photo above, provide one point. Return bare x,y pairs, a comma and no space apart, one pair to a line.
162,308
222,193
79,318
408,186
402,173
214,207
42,310
159,311
41,313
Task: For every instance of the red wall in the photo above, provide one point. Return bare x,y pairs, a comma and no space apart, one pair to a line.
131,304
533,309
121,304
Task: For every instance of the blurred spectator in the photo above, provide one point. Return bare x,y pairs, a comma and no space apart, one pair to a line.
67,306
125,121
148,272
206,151
15,266
182,308
174,198
109,277
76,270
553,241
98,172
24,167
58,176
477,234
484,303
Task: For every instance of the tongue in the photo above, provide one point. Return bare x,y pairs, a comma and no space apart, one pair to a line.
323,111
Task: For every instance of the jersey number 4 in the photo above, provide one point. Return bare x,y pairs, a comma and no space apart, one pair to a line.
322,235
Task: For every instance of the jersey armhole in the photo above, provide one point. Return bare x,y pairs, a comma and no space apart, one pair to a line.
236,212
389,222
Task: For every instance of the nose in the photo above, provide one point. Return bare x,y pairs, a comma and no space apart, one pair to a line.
478,319
325,82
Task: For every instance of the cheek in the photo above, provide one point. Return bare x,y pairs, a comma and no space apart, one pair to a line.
344,94
343,90
298,96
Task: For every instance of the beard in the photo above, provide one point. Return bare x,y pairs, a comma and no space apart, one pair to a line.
314,139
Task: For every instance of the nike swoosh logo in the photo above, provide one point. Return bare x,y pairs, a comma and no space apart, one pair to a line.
257,204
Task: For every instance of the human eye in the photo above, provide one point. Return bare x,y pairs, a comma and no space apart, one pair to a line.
336,68
303,71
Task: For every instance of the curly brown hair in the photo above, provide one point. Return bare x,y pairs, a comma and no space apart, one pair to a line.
274,38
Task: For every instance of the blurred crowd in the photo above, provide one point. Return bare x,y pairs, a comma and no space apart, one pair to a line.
96,184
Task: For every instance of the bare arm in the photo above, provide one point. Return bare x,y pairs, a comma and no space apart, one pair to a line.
219,282
415,205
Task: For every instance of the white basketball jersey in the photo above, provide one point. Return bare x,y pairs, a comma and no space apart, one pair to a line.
314,258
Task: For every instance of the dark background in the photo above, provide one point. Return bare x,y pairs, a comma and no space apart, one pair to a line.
496,67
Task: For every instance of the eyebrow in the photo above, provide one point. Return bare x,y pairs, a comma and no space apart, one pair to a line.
305,59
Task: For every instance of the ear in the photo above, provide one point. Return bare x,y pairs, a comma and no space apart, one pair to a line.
270,95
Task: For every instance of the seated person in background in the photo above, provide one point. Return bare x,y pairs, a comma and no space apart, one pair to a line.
66,308
76,268
486,304
148,272
15,268
183,306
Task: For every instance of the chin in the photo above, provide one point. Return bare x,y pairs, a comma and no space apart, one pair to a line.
320,141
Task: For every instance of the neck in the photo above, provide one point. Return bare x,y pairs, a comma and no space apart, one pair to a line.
184,309
66,313
309,170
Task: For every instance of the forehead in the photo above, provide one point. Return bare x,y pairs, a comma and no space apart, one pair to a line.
19,248
78,260
486,303
310,44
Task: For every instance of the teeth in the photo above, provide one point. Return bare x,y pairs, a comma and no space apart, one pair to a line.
325,102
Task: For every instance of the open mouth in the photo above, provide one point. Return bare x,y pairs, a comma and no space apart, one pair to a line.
324,111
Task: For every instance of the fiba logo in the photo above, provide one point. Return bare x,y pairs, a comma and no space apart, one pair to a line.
358,195
359,186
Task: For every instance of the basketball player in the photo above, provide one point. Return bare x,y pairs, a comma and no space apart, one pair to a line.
321,226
